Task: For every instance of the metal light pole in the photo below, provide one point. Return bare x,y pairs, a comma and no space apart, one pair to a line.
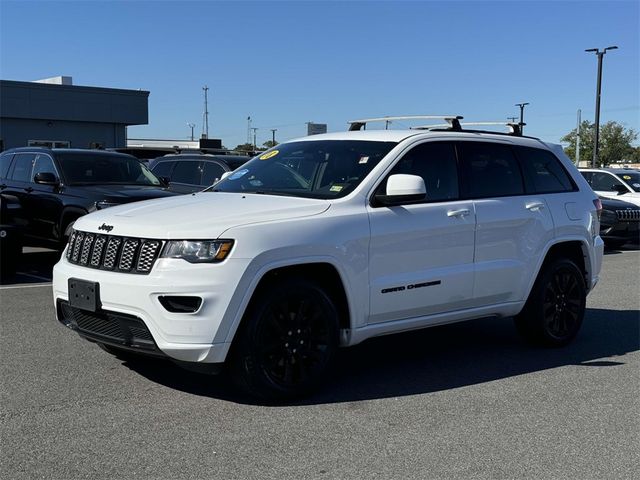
191,126
578,138
255,129
205,114
600,54
273,136
522,105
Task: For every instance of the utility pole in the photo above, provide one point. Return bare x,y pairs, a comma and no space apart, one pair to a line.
273,136
578,138
522,105
255,129
191,126
205,115
600,54
249,130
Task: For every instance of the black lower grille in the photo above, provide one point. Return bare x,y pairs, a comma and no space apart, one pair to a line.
108,327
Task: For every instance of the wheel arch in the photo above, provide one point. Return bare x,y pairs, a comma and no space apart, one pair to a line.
69,215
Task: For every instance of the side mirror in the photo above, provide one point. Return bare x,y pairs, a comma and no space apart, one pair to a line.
621,189
164,180
402,188
46,178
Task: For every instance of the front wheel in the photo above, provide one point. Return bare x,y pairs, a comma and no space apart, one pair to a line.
287,342
555,308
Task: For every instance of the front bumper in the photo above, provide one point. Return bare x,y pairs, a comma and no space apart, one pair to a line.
186,337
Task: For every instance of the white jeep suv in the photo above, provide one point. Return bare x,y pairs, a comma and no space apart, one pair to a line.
329,240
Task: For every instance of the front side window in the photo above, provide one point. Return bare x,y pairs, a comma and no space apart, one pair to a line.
211,173
604,182
313,168
491,170
22,167
162,169
436,163
80,168
43,164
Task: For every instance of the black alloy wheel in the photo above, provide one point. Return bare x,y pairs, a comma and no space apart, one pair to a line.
555,308
288,341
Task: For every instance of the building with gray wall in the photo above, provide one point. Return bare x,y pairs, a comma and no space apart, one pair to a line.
53,112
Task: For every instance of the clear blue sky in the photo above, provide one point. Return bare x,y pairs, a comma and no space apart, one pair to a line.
286,63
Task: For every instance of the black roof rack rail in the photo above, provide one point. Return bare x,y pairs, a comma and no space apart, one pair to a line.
515,129
453,121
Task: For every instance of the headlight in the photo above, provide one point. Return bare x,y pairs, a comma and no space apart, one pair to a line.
198,251
608,216
104,204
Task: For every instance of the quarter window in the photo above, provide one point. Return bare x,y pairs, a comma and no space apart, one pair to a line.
491,170
544,171
436,163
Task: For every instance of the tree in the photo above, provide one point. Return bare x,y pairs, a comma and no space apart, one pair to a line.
245,147
270,143
615,143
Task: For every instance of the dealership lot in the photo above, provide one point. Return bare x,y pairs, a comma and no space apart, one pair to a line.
462,401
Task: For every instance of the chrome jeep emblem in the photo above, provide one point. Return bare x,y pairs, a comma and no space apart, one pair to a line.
105,227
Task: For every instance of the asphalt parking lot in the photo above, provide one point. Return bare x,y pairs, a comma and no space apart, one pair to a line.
462,401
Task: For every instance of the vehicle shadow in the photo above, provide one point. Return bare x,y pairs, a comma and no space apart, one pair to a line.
435,359
35,265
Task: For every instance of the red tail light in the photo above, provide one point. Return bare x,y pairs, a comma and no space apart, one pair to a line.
598,205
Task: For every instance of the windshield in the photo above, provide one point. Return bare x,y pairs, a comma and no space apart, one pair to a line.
314,169
632,179
98,169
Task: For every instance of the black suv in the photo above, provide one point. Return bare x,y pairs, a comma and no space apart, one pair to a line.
189,172
56,186
619,222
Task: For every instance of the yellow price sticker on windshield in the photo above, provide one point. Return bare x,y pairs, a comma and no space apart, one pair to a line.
626,177
269,155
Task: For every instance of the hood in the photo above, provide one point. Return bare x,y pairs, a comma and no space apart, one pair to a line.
125,193
617,203
633,198
197,216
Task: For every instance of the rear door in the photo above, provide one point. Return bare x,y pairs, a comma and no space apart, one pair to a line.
513,224
421,254
18,186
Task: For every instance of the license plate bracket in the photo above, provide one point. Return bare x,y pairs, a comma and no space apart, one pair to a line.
84,295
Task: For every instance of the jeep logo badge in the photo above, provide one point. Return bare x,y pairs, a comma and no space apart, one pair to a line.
105,227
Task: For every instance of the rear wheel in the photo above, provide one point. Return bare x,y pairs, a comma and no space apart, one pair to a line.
555,308
287,342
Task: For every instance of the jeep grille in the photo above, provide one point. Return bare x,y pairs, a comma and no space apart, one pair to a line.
628,215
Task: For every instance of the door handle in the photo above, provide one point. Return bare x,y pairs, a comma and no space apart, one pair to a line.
28,189
459,213
534,206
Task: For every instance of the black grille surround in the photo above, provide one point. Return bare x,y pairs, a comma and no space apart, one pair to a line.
113,253
628,215
112,328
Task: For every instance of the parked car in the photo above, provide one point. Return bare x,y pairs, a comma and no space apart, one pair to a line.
187,173
329,240
55,187
619,222
618,183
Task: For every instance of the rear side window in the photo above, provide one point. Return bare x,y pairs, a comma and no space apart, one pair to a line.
22,166
544,171
162,169
5,163
187,172
491,170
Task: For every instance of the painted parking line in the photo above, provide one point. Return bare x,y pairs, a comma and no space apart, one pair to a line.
25,285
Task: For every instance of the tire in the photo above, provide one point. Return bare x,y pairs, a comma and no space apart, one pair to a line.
555,308
287,342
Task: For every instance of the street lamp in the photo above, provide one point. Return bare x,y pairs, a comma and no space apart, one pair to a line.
191,126
600,54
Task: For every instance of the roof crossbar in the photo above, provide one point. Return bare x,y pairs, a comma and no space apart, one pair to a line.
453,121
515,129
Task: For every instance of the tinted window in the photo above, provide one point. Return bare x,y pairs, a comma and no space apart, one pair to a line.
211,173
162,169
86,168
310,168
5,163
43,164
436,164
604,182
22,166
632,179
544,170
187,172
491,170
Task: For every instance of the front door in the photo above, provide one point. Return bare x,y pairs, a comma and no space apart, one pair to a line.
421,255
